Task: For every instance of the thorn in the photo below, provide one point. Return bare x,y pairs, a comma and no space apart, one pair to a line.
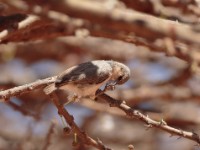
148,126
182,133
162,122
195,133
100,143
30,88
75,140
196,136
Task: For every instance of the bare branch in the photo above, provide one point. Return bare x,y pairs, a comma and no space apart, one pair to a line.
129,20
49,136
6,94
116,103
75,129
161,124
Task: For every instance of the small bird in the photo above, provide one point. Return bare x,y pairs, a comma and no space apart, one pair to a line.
85,79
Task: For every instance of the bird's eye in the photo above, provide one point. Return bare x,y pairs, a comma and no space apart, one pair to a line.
120,78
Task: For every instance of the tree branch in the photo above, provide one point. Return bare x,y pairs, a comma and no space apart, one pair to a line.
6,94
76,130
113,102
150,122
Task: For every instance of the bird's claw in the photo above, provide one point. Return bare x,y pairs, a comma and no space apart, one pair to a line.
110,87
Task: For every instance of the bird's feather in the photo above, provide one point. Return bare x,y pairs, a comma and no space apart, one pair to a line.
86,73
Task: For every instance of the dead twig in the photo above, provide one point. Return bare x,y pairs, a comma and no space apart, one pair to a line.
6,94
152,123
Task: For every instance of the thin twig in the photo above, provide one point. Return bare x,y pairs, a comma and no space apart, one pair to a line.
150,122
6,94
49,136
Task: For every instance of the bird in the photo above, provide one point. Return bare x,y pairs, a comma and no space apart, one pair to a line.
85,79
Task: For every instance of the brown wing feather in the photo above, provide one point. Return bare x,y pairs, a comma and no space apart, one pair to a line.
86,73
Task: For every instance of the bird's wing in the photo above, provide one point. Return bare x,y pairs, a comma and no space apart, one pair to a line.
86,73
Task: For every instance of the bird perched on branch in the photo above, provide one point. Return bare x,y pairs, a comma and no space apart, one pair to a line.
85,79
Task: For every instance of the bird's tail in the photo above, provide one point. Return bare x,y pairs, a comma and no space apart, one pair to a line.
49,89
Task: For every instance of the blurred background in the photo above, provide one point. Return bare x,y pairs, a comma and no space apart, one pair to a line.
159,40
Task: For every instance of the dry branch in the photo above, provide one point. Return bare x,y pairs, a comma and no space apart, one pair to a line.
76,130
150,123
117,22
22,27
120,104
122,19
183,11
6,94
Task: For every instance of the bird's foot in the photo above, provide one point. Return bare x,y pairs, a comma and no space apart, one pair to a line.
108,87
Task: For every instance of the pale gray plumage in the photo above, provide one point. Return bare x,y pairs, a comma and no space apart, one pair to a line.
86,78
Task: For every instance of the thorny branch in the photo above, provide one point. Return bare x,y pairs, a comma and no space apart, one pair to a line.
76,130
6,94
150,122
166,26
61,110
